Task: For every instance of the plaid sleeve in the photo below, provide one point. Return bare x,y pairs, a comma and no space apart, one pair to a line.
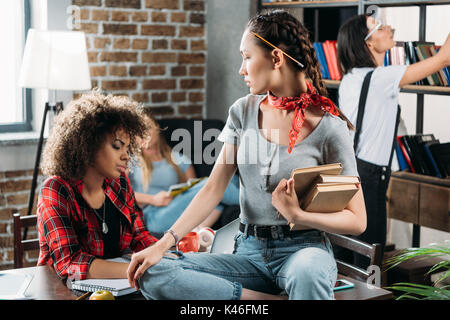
55,228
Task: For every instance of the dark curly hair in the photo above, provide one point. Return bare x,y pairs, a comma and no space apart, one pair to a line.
81,129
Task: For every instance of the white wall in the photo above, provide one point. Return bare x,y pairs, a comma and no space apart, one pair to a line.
436,108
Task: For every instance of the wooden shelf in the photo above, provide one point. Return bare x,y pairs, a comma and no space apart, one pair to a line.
435,90
419,199
312,4
421,178
331,84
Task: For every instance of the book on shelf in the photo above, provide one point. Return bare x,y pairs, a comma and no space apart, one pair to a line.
405,154
326,53
431,160
410,52
425,155
322,61
418,155
323,189
441,154
402,163
179,188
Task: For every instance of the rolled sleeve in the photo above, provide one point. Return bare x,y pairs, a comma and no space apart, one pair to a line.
338,148
233,127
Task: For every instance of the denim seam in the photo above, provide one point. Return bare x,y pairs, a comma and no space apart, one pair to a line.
221,273
237,291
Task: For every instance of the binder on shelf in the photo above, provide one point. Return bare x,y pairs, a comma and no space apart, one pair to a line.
441,154
322,61
405,153
433,163
402,163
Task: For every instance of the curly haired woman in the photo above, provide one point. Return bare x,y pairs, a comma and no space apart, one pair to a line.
87,211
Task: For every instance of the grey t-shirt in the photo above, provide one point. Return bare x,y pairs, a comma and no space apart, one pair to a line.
262,164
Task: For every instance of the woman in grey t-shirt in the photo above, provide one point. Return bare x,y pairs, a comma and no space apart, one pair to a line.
281,125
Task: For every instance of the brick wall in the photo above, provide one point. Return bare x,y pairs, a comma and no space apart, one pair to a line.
154,51
14,193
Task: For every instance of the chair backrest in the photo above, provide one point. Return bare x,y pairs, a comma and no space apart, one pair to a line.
372,251
20,245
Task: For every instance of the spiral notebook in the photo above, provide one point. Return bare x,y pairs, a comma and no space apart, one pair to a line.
118,287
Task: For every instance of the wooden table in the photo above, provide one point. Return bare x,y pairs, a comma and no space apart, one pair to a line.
47,286
361,291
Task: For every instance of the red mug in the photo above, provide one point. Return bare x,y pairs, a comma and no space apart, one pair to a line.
189,243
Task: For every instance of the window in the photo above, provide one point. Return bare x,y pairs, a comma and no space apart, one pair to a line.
15,107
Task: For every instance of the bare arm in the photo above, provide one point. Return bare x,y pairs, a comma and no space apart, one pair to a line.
103,269
161,199
197,211
422,69
207,198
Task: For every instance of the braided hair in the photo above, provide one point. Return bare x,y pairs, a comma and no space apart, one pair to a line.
287,33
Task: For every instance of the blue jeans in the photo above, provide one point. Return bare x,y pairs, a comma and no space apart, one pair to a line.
159,219
302,266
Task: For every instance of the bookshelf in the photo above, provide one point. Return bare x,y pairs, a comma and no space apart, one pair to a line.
420,91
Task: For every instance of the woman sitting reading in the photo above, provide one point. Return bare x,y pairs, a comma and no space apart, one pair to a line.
161,168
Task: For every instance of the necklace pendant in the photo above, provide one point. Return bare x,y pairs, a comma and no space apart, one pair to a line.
104,228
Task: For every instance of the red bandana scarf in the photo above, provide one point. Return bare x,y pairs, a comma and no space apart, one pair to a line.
306,99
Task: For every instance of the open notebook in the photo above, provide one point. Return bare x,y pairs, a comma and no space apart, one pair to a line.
118,287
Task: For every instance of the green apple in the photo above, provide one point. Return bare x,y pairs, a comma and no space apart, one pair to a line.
102,295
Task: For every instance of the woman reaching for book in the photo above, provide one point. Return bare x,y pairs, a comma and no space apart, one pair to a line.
362,43
86,209
157,170
284,123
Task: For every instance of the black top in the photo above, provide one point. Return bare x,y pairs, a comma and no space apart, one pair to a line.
111,239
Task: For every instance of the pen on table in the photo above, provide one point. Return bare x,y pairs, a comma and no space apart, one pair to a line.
84,296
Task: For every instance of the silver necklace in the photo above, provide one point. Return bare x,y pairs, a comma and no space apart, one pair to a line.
104,225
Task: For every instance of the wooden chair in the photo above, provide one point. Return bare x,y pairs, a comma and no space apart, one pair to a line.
372,251
20,246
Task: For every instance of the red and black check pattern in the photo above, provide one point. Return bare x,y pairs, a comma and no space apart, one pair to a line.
70,236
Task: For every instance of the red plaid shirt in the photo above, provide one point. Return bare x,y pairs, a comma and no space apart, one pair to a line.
70,236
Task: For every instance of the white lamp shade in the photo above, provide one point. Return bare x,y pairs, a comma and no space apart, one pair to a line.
55,60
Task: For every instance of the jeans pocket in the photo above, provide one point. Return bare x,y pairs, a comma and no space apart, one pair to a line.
237,241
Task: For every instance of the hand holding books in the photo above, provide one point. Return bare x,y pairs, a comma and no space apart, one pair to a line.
318,189
285,200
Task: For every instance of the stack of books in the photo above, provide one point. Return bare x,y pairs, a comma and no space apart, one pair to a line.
423,154
326,53
410,52
323,189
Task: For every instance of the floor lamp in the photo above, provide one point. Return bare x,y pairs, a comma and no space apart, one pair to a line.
53,60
